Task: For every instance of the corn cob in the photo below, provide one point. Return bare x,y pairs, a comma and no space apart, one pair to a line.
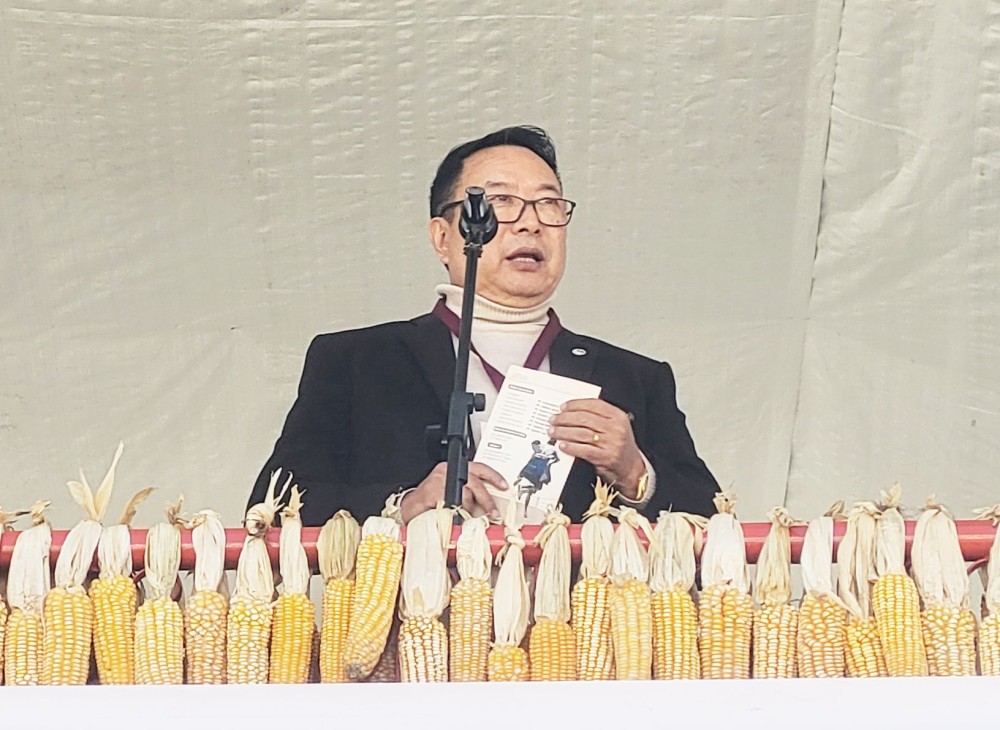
6,520
28,582
116,599
551,644
338,550
775,623
591,612
205,612
471,616
725,615
248,624
671,579
423,639
387,668
895,600
629,598
947,624
159,622
989,628
856,571
294,618
507,660
380,560
822,617
69,612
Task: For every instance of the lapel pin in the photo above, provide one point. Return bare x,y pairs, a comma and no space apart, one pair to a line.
578,351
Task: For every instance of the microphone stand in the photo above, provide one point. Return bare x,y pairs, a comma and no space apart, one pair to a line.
478,225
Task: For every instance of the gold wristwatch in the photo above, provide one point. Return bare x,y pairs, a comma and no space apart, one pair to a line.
640,490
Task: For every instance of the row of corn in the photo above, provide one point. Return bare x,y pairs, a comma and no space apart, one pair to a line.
633,613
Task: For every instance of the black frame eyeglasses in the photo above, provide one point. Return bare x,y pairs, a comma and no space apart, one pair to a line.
509,209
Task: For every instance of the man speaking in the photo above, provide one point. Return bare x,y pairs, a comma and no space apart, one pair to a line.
355,437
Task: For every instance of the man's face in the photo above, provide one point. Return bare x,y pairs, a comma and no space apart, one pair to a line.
522,266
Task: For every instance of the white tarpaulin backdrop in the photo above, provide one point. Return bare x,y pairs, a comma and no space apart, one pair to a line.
795,203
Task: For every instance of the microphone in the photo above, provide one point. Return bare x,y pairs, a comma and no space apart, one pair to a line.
478,223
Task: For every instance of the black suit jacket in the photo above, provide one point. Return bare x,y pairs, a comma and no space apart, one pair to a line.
355,434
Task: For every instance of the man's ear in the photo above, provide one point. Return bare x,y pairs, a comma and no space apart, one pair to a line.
437,231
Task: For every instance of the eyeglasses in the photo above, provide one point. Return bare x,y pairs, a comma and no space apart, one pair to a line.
554,212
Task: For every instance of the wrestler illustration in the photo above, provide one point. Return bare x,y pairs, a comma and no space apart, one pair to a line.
537,472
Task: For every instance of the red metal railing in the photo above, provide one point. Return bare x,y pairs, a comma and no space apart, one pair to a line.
976,537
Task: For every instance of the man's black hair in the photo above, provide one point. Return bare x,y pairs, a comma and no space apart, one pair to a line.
450,170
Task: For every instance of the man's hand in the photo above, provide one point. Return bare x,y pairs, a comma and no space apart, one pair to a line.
475,499
594,430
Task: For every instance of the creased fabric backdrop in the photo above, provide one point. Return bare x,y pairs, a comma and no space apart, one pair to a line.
795,203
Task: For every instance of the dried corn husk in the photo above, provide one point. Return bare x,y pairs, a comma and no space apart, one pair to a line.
597,534
337,547
554,567
425,582
29,578
773,584
674,566
990,573
511,599
856,560
724,559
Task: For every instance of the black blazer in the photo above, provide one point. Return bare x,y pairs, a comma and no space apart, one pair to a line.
355,434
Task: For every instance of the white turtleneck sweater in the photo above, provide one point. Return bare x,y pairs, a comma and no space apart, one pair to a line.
504,336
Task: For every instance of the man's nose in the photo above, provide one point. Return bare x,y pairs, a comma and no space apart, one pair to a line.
528,222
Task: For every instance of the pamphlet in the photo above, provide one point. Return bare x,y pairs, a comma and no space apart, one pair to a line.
515,439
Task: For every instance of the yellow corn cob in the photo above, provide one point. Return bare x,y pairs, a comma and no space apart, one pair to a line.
822,637
337,549
671,579
380,560
725,614
116,599
675,636
205,612
28,582
897,612
471,616
629,598
864,650
294,618
551,644
989,645
775,629
552,651
159,622
205,637
248,624
508,663
68,618
950,638
423,639
589,599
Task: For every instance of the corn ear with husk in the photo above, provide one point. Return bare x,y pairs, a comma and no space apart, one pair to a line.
551,644
248,624
159,622
206,609
776,621
895,600
855,575
822,616
630,599
28,582
337,549
294,618
470,626
947,624
376,586
69,612
423,639
725,613
116,599
671,580
589,601
6,524
507,660
989,629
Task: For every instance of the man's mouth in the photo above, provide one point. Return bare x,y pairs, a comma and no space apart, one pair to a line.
527,255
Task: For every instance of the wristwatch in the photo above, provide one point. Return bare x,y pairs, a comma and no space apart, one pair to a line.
640,490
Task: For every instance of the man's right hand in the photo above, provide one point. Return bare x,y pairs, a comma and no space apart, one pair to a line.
476,500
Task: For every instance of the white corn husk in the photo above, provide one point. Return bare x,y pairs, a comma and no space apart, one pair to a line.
425,583
773,583
938,565
473,557
724,559
554,567
254,577
597,534
629,559
856,560
890,543
817,557
675,565
337,547
29,578
292,561
990,573
208,538
163,553
511,600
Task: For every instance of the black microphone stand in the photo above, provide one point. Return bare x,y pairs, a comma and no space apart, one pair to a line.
478,225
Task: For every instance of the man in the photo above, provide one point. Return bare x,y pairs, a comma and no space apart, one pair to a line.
354,438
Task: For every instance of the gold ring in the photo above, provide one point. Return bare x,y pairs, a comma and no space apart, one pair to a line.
597,437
